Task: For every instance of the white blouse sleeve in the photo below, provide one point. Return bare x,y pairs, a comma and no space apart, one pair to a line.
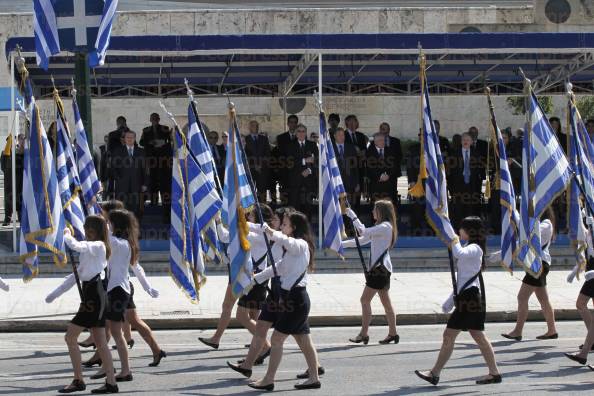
546,231
351,243
264,275
293,246
470,251
95,248
141,276
379,230
223,233
66,285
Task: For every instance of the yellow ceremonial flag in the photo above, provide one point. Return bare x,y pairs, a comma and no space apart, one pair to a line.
8,148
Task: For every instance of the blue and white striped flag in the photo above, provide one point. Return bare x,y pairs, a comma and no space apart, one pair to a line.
201,149
86,167
42,222
545,175
47,41
436,195
97,56
507,198
581,157
332,190
67,174
238,199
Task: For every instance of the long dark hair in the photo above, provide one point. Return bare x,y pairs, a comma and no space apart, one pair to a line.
473,225
302,230
98,227
112,204
267,213
549,214
125,227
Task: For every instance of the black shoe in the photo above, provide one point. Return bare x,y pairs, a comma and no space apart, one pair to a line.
548,337
125,378
495,379
305,375
157,360
245,372
129,343
91,363
247,345
100,375
576,358
591,349
262,357
91,345
431,379
268,388
206,342
360,339
75,386
389,339
591,367
107,388
6,222
313,385
515,338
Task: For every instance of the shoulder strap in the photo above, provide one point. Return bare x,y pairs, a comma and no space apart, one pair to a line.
298,280
469,281
379,260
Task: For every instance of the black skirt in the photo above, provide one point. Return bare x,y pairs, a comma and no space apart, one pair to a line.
91,312
270,308
378,278
118,300
293,314
541,281
469,313
131,304
255,299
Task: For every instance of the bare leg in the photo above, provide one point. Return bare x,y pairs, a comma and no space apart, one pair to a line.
277,341
366,298
127,330
258,343
486,350
104,353
447,347
547,309
132,319
225,318
311,356
523,297
582,307
71,338
243,315
390,315
118,336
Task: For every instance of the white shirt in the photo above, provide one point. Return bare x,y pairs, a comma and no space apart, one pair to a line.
293,264
119,263
469,261
91,257
380,237
546,235
258,247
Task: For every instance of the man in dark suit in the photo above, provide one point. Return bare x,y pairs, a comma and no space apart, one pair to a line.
158,149
103,170
359,140
444,143
283,143
465,174
302,171
393,146
219,154
116,138
382,170
481,147
346,157
257,151
128,164
333,123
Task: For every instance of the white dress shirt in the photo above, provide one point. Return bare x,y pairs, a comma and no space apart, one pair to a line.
380,237
293,264
546,235
91,257
119,264
258,247
469,261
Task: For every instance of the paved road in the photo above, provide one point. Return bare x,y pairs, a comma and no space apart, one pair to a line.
37,364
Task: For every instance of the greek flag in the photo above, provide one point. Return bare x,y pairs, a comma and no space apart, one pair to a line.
86,168
97,57
67,174
47,41
186,272
436,195
42,223
237,200
507,198
545,175
199,146
332,189
581,157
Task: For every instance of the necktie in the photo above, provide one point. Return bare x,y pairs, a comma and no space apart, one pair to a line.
381,153
340,151
130,152
255,138
466,172
215,152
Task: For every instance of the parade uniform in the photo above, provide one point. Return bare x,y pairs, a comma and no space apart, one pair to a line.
118,285
379,267
546,234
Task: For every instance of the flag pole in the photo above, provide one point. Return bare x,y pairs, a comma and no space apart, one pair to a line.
248,173
320,220
14,134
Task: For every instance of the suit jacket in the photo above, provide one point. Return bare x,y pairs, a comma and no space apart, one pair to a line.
413,160
296,165
283,142
103,163
455,172
258,155
396,150
219,156
130,174
147,141
360,140
376,166
349,171
444,145
114,139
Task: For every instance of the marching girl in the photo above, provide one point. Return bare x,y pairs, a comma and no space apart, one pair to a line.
382,237
538,286
469,314
248,306
292,313
94,253
4,286
586,294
